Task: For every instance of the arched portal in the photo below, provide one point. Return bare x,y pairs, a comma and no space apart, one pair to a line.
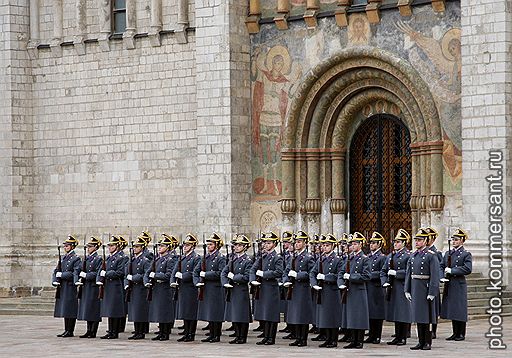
332,101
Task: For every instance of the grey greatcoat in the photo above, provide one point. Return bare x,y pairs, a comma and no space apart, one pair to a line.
112,304
238,310
283,302
138,307
376,294
211,308
422,279
299,306
162,307
328,313
67,305
455,302
398,308
89,306
187,290
357,297
437,301
266,308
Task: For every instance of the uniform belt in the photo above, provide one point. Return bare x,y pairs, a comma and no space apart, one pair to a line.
420,277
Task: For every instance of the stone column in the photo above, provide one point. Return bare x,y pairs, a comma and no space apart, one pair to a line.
288,203
338,202
312,204
81,26
131,25
156,23
105,14
415,187
181,27
57,28
34,40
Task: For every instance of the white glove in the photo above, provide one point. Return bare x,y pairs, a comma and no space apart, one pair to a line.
129,277
82,274
99,283
431,297
202,274
448,270
346,276
387,284
342,287
178,275
147,284
408,296
391,273
279,284
259,273
151,275
126,287
227,285
102,273
78,283
318,288
320,276
444,280
287,284
231,275
174,284
55,283
58,274
292,273
199,284
255,283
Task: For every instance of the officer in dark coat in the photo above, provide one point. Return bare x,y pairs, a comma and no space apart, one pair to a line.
122,322
345,250
433,249
323,278
113,303
136,292
316,251
158,278
456,265
235,278
286,251
296,280
353,278
89,307
421,288
376,307
266,273
184,281
211,308
392,275
65,277
150,255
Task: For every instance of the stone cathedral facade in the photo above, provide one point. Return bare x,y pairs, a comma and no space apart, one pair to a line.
244,116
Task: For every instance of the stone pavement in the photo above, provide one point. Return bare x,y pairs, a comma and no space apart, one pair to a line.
24,336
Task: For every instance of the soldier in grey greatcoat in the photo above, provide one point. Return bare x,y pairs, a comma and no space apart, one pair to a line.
89,307
421,288
184,281
287,248
433,249
296,280
136,292
323,278
345,250
211,308
111,278
392,275
316,251
456,265
376,297
353,278
158,278
266,272
65,277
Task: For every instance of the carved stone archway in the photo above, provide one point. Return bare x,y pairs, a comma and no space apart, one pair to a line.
318,130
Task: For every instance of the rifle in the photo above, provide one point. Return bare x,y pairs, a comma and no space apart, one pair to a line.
104,268
153,269
130,272
252,287
320,282
59,269
258,278
178,281
230,265
344,292
84,269
200,292
391,279
292,279
447,275
282,294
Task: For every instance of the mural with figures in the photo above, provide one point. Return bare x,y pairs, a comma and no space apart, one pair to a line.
429,41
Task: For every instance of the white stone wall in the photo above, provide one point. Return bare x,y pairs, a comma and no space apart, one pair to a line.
486,95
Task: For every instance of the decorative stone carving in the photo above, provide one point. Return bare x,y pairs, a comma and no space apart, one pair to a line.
312,206
438,5
340,13
156,23
129,33
252,21
338,206
288,206
282,14
310,14
436,202
105,25
372,11
404,6
181,27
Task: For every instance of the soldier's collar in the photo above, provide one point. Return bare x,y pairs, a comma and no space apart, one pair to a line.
376,251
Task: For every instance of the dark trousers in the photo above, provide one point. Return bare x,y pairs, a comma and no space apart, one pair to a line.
375,331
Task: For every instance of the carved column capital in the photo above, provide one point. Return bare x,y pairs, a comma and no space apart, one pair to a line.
338,206
288,206
312,206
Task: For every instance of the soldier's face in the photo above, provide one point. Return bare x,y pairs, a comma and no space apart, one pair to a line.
420,243
269,245
299,245
187,248
356,246
239,248
137,249
456,242
210,246
112,248
162,249
91,249
374,245
67,248
327,248
398,245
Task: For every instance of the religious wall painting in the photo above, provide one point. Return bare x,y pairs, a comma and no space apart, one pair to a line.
358,29
437,58
275,77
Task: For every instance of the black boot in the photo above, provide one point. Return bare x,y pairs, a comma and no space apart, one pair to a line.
260,327
121,325
355,341
192,331
377,333
434,331
327,336
402,335
272,334
244,330
69,323
461,331
266,332
371,332
333,342
421,337
186,329
238,334
322,336
136,331
209,326
94,329
65,328
161,332
86,334
217,332
427,338
454,331
166,327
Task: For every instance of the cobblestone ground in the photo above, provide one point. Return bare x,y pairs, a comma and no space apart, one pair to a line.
24,336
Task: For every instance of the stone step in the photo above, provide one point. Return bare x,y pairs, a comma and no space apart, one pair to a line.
482,310
483,302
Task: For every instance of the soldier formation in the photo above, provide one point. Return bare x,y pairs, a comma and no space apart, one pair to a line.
322,285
